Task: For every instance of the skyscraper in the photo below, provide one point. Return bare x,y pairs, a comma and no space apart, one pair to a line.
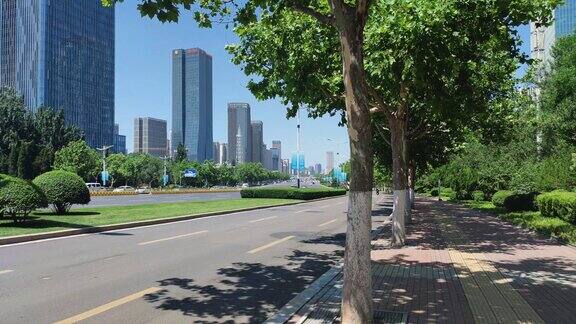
543,38
223,154
239,132
119,141
318,168
150,136
192,102
329,161
61,54
257,141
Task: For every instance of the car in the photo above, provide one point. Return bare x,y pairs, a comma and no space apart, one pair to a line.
143,190
123,189
93,186
245,185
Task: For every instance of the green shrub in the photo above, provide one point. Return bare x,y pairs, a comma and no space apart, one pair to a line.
63,189
434,192
478,195
448,192
558,204
291,193
18,198
514,200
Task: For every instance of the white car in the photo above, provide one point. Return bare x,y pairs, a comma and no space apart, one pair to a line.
245,185
123,189
93,186
143,190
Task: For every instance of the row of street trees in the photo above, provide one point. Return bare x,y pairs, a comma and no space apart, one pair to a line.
29,140
388,65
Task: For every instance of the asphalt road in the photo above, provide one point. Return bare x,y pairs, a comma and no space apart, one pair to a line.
235,268
153,199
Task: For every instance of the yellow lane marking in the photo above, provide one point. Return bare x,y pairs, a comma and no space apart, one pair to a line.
302,211
328,222
269,245
109,306
172,238
262,219
5,271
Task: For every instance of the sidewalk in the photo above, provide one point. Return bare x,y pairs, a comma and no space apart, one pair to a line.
459,266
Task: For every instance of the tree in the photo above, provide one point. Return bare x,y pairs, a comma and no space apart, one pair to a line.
342,23
116,164
181,154
79,158
25,160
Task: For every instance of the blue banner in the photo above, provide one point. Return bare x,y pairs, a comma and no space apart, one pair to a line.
190,173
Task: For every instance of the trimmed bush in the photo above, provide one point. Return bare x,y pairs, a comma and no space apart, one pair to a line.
558,204
448,192
291,193
515,201
63,189
18,198
478,195
434,192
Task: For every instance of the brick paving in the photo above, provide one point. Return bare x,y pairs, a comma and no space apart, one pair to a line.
462,266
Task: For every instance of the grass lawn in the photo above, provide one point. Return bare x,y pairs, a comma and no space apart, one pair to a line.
89,217
549,226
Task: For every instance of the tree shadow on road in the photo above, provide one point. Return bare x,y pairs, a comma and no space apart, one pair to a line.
247,291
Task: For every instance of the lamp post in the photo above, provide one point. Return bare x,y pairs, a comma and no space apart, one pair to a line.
298,149
104,149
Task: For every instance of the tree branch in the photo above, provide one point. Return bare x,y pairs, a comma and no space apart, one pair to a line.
380,105
323,18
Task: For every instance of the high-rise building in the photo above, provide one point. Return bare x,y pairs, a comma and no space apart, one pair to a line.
257,128
215,151
150,136
318,168
192,102
276,159
119,141
267,158
329,162
285,166
239,133
543,38
61,54
222,154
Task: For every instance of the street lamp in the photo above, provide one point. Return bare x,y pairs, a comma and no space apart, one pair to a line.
104,149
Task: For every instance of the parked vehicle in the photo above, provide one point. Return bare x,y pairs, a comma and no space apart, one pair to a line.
93,186
245,185
123,189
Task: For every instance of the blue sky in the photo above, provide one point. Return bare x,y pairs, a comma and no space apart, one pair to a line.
143,84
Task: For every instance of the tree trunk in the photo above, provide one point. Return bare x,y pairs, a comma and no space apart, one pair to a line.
398,130
357,290
411,181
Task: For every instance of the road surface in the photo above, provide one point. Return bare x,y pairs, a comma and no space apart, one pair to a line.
102,201
237,268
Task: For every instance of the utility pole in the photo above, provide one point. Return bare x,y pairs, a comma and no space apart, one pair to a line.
165,175
298,149
104,149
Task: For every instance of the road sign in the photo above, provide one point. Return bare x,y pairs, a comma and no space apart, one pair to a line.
165,179
190,173
105,176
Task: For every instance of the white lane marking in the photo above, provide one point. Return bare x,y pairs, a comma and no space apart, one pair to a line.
172,238
109,306
328,222
262,219
325,206
341,203
5,271
302,211
269,245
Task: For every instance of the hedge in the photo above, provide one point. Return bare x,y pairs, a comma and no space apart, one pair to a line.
291,193
514,201
63,189
558,204
19,197
478,195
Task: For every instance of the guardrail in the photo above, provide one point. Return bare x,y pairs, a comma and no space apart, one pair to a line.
160,192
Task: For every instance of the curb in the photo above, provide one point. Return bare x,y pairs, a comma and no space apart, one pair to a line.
112,227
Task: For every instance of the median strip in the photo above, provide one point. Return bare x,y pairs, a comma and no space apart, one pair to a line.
328,222
172,238
262,219
109,306
5,271
269,245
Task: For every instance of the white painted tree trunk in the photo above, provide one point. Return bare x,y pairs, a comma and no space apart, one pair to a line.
412,197
357,273
399,215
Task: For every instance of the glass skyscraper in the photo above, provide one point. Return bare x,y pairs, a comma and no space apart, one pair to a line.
61,54
192,103
542,39
239,133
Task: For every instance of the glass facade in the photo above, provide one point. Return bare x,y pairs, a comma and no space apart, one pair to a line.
239,133
565,18
61,54
192,103
543,38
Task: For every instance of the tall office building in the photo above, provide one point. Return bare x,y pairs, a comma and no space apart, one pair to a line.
329,162
257,141
150,136
119,141
542,39
276,160
223,154
239,133
285,168
318,168
61,54
192,102
215,151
